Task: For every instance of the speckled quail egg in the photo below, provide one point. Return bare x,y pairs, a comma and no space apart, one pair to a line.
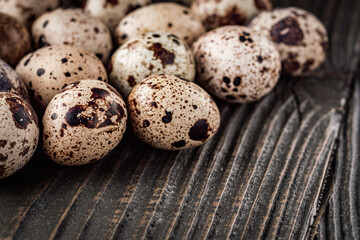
298,35
236,64
73,27
227,12
168,17
15,40
47,70
170,113
111,12
26,11
19,133
151,53
10,81
83,123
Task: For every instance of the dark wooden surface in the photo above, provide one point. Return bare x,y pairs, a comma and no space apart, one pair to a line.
286,167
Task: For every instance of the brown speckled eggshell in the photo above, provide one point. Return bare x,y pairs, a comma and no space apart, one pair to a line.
111,12
167,17
169,113
26,11
83,123
10,81
228,12
298,35
73,27
151,53
236,64
47,70
19,133
15,40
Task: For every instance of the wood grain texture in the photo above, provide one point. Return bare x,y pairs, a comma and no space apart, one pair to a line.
285,167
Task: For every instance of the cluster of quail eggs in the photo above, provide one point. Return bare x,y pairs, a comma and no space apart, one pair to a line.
87,70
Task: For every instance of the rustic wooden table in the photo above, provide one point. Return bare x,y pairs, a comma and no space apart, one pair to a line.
285,167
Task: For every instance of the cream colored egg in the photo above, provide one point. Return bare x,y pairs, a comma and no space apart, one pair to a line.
19,133
73,27
151,53
47,70
10,81
228,12
26,11
236,64
83,123
111,12
168,17
298,35
170,113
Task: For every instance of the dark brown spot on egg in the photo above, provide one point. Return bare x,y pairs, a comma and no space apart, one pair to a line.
64,60
131,81
287,31
232,16
153,104
290,64
21,115
28,60
146,123
75,118
96,29
54,116
199,131
179,144
40,72
166,57
260,59
67,74
45,23
3,143
5,83
167,118
24,151
308,64
98,93
3,158
237,81
226,80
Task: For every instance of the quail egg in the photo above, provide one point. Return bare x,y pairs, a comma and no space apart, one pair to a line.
170,113
10,81
236,64
47,70
168,17
150,54
227,12
26,11
298,35
111,12
19,133
73,27
83,123
15,40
